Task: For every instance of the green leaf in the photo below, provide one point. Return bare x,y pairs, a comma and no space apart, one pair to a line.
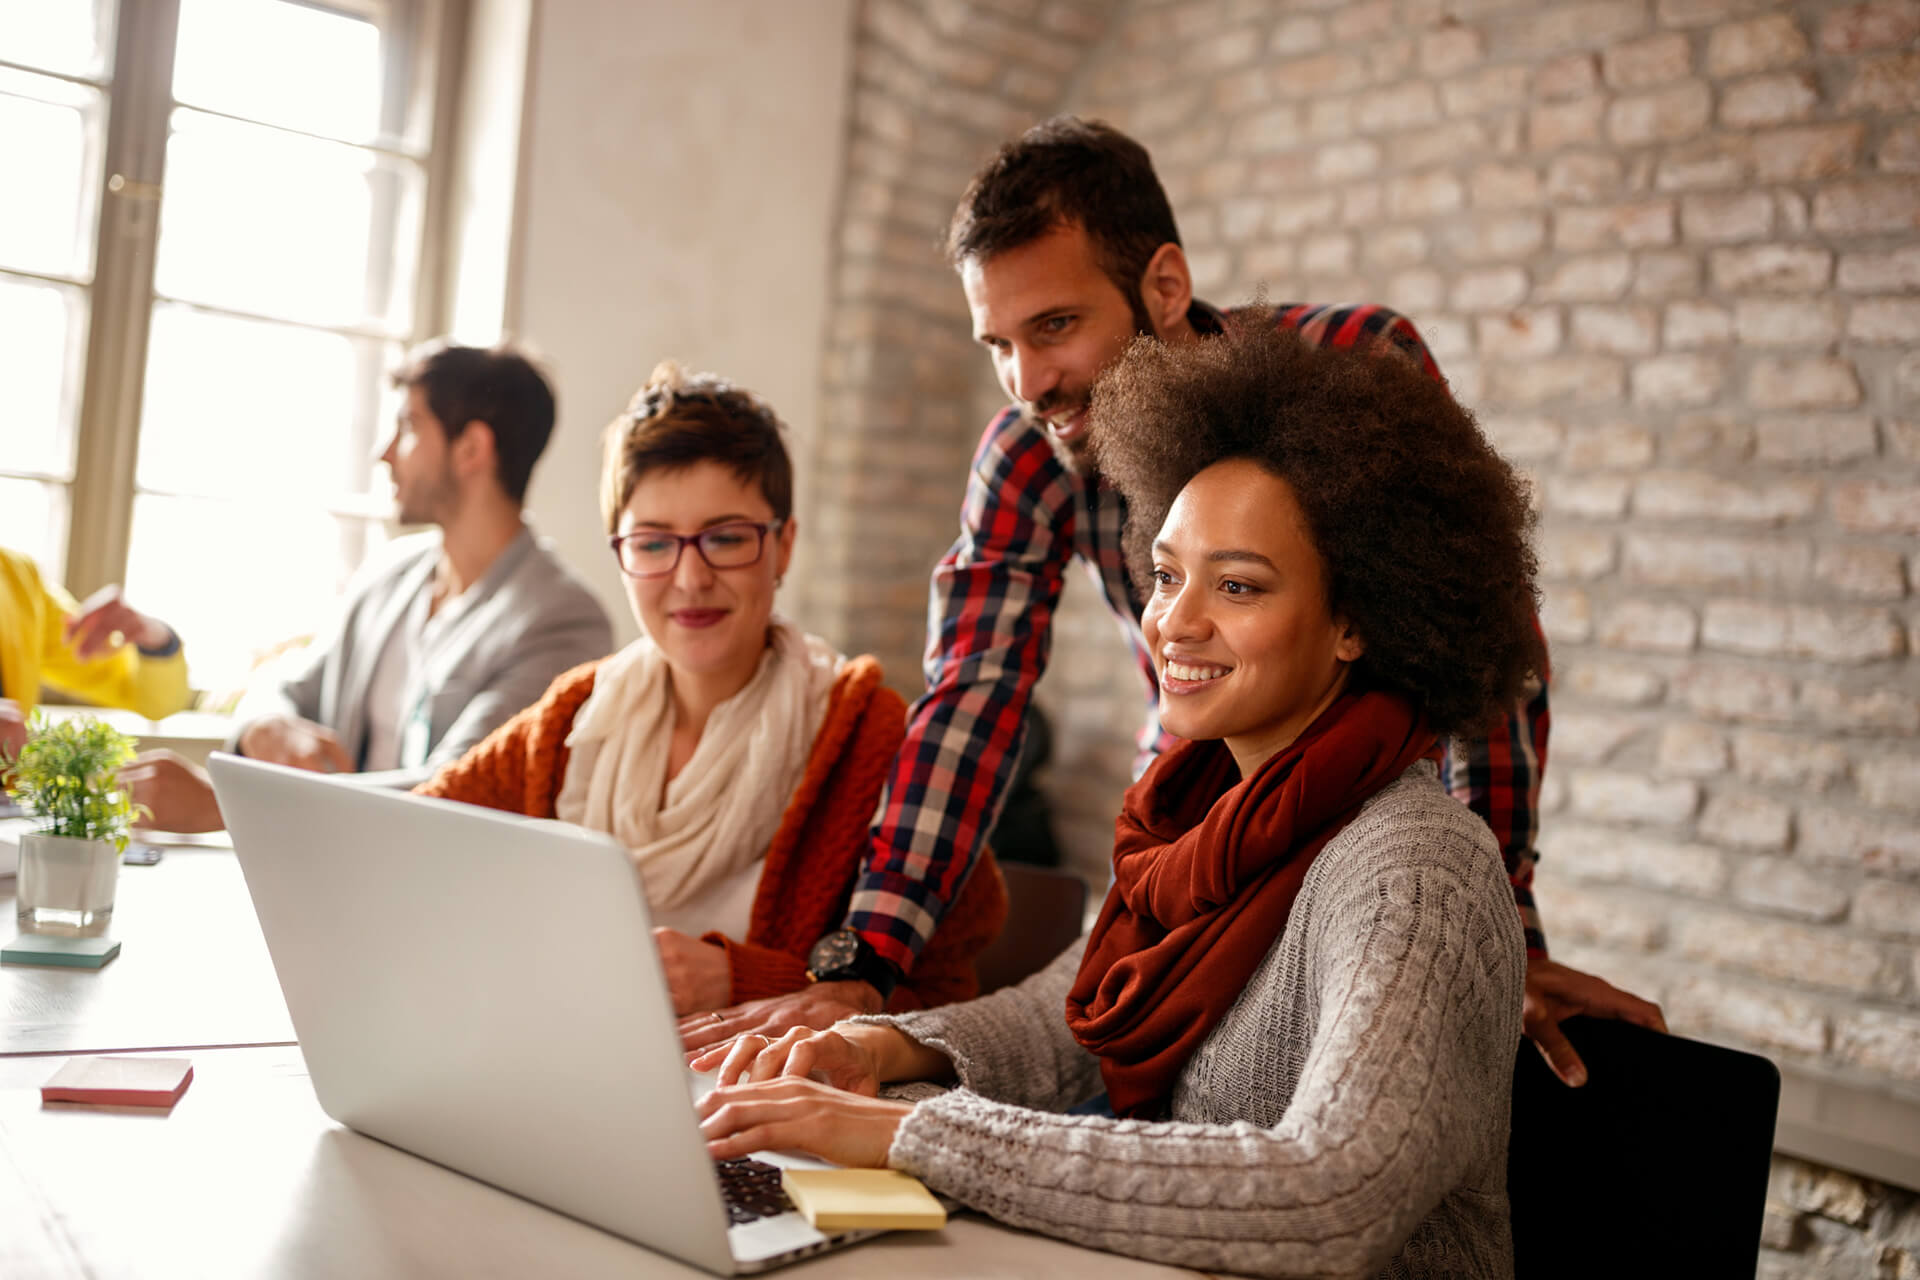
67,775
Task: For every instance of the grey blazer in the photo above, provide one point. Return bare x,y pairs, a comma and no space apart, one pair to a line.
529,620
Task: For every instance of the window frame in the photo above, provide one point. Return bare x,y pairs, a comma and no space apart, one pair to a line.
425,38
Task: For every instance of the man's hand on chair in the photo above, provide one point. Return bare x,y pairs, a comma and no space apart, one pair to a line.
818,1005
1555,993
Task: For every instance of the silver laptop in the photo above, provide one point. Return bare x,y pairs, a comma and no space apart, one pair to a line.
482,989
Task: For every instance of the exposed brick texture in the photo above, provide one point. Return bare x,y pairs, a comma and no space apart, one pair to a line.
1665,275
937,86
1706,365
1669,253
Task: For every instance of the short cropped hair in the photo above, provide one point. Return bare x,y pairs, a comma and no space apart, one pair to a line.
678,419
1068,171
499,386
1422,527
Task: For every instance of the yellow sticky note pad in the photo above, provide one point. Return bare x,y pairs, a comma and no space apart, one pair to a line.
853,1199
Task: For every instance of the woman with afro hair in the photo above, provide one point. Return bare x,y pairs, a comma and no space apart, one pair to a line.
1303,993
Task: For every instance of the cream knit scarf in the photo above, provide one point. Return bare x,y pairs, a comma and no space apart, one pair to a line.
720,813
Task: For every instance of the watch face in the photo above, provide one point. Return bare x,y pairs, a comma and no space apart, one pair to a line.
834,952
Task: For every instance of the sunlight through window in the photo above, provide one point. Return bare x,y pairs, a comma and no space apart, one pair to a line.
285,237
332,88
71,37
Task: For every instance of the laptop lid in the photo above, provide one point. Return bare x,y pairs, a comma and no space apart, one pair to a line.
481,989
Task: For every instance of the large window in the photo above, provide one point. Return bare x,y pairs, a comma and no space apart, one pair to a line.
52,141
211,253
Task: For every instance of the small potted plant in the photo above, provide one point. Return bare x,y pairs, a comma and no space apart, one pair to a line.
67,777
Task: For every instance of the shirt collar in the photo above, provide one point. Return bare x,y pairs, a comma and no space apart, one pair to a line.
1206,319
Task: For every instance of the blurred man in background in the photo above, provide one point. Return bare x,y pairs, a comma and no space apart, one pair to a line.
444,634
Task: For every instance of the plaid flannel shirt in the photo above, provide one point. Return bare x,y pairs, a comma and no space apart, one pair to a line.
1026,515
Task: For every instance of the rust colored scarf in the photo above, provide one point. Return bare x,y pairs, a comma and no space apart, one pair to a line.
1205,870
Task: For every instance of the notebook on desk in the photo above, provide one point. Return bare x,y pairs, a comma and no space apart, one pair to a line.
482,989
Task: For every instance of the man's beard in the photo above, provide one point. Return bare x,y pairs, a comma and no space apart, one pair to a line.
1075,452
432,506
1078,454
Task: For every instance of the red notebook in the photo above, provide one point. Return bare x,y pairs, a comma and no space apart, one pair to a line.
120,1082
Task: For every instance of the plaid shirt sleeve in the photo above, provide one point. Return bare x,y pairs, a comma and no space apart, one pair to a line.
1496,774
989,620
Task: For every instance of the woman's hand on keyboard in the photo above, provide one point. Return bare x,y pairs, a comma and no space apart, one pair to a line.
843,1061
794,1114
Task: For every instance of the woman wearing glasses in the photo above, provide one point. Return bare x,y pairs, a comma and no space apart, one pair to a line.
739,759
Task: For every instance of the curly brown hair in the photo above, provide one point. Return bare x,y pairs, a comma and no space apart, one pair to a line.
1422,527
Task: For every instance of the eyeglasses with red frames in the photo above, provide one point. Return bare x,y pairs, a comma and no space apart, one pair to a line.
655,553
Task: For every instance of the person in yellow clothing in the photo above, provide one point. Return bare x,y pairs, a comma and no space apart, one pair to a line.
103,651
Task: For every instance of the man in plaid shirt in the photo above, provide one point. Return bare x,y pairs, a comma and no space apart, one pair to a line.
1067,250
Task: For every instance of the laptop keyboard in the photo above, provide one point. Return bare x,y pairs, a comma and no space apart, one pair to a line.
751,1189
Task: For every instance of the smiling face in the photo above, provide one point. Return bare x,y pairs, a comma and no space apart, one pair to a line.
711,624
1052,320
1238,623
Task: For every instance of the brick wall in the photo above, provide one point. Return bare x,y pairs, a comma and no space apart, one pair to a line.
937,85
1669,251
906,393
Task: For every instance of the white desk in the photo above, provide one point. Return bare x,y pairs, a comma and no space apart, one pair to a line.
192,970
247,1178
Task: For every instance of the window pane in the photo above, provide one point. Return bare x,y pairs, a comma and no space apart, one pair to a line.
42,332
74,37
243,408
286,64
237,579
274,223
49,131
33,515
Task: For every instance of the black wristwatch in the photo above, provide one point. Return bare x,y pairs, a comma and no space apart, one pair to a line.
845,956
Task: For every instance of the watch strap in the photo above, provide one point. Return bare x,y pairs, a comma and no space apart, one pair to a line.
867,965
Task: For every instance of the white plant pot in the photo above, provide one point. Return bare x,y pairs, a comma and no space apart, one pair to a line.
66,886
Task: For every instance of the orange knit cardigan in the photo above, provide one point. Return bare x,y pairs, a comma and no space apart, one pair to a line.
815,856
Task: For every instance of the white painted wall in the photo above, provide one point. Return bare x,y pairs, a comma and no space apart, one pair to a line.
484,169
681,171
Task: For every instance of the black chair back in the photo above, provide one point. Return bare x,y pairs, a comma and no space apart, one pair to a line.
1657,1166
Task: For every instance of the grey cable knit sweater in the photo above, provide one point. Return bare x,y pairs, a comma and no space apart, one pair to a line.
1348,1116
